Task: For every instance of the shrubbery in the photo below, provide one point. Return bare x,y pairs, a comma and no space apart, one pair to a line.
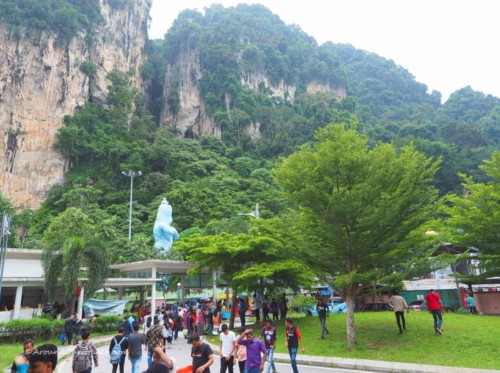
44,329
39,329
106,324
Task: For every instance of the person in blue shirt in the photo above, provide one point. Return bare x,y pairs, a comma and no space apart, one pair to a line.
472,304
20,363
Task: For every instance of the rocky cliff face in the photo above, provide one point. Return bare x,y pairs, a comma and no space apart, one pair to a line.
40,83
184,107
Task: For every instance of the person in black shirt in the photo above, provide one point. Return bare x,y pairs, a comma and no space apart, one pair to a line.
202,355
323,312
69,328
120,337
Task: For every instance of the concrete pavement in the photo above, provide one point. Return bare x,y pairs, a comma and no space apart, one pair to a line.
180,351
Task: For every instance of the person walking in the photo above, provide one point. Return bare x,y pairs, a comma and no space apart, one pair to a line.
275,308
265,309
43,359
161,363
283,307
154,337
69,328
243,311
256,308
78,328
398,304
242,352
200,322
433,300
202,355
135,342
269,335
121,342
293,338
227,349
85,353
20,363
256,351
471,303
323,312
126,326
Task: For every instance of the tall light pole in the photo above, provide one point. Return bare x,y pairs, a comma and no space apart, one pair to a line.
131,174
179,294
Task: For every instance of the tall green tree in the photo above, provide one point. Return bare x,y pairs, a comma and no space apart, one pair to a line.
73,251
260,259
361,209
474,218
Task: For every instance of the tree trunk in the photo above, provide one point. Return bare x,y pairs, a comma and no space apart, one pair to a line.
351,337
233,309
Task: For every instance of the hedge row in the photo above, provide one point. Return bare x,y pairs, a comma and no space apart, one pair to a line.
41,329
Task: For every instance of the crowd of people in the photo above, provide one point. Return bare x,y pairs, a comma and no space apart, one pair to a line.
156,333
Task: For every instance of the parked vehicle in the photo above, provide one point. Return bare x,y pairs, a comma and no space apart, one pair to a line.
335,305
376,306
421,305
418,305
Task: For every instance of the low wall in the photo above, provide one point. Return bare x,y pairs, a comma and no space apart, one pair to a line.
6,316
487,303
24,314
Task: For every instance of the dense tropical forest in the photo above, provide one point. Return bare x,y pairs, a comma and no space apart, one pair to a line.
209,180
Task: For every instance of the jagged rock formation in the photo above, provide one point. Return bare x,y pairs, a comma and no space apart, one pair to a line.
188,113
184,107
40,83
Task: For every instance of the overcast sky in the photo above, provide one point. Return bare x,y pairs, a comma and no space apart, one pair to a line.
445,44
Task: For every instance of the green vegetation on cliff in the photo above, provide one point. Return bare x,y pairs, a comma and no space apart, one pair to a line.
65,17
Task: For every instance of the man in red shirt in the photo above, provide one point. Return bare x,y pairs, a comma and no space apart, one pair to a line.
434,302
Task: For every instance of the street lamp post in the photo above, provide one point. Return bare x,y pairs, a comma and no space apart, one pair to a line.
179,294
131,174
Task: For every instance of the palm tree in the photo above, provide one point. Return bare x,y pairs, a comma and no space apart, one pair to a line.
73,251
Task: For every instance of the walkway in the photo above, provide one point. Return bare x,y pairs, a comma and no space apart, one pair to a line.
180,351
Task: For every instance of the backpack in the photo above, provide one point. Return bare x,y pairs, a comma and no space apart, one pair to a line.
116,353
148,322
83,358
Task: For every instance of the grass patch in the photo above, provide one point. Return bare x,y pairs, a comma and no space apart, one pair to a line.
10,350
467,341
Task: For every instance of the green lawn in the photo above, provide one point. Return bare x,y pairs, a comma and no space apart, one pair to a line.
468,340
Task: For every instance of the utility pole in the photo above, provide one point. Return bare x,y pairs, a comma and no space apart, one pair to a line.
131,174
4,240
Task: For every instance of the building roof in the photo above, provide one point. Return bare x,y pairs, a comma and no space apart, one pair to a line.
171,266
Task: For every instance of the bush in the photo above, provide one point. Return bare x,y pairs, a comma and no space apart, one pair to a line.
107,324
38,329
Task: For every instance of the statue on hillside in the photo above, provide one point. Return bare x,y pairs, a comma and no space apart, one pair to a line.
163,231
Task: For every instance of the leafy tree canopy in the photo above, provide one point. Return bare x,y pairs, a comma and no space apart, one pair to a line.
361,209
473,218
65,17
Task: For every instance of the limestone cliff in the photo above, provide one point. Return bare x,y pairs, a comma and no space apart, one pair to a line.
184,107
40,83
